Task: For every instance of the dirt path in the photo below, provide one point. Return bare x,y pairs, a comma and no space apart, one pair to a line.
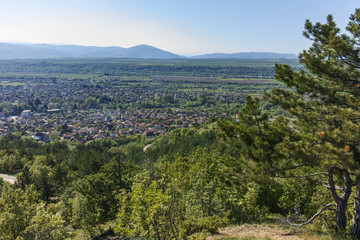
8,178
146,147
258,231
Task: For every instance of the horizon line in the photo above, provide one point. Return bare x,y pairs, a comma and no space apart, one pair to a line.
143,44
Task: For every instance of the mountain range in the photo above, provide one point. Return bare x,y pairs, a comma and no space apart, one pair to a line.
42,51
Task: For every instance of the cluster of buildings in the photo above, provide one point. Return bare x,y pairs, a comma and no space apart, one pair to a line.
83,110
84,126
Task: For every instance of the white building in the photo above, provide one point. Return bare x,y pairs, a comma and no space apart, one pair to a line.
26,113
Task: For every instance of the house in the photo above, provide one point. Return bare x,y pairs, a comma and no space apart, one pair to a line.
41,137
149,134
26,114
53,111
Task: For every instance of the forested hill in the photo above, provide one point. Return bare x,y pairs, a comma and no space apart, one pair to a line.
42,51
250,55
186,183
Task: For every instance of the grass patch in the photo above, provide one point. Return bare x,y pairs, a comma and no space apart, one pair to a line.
14,83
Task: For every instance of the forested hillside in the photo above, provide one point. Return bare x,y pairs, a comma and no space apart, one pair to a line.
185,183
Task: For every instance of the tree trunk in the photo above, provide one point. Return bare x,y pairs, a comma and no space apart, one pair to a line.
342,200
355,228
341,216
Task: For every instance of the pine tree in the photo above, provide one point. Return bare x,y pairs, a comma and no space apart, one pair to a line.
321,138
325,104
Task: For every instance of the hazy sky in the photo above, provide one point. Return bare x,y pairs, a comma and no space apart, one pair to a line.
185,27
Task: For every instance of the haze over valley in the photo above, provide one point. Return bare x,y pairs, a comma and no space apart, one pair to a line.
41,51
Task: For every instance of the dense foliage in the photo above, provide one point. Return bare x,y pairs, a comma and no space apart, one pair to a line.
224,68
183,184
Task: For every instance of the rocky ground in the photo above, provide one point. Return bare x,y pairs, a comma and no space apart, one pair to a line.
8,178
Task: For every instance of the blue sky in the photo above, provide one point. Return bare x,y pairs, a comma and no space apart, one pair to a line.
186,27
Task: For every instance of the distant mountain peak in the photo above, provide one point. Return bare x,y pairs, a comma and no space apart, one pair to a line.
40,51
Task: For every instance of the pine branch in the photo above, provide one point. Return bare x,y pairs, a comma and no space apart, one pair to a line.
313,174
288,168
306,176
332,185
336,187
327,206
345,60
